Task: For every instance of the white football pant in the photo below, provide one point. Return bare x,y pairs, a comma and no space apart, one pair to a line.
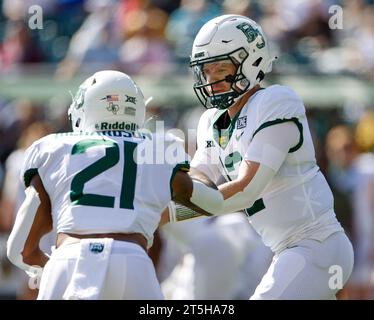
130,274
310,270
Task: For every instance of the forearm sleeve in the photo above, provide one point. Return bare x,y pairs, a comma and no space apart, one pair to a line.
22,226
246,198
270,148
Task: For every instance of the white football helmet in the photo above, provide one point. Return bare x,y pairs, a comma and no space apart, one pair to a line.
108,100
232,38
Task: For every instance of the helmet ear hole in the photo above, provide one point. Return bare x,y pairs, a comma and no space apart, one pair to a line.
78,122
70,120
93,81
260,75
257,62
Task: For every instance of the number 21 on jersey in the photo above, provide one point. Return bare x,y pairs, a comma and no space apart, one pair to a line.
110,159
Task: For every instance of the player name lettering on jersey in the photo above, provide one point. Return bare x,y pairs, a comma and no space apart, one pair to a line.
145,134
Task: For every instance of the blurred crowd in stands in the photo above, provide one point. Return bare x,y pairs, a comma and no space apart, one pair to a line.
156,35
155,38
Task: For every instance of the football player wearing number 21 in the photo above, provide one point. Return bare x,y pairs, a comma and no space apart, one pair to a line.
102,195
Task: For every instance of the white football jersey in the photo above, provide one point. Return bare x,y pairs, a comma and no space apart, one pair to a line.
298,202
106,182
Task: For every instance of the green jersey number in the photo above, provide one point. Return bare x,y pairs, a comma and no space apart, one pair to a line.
110,159
231,160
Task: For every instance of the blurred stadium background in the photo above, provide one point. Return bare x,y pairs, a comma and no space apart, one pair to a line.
332,69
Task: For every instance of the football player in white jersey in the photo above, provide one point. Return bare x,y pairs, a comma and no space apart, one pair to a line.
102,188
259,139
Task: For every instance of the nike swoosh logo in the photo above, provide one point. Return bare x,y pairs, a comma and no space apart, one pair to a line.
238,136
226,41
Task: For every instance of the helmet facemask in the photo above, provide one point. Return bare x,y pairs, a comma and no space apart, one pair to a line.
75,112
239,83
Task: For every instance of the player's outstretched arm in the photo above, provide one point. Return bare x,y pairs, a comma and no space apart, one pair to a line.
33,221
265,155
241,193
193,195
247,171
201,196
196,174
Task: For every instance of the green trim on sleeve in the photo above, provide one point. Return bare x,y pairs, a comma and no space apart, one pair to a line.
278,121
258,205
184,166
301,139
28,175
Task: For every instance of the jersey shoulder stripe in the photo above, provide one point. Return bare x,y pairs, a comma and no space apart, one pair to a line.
278,121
